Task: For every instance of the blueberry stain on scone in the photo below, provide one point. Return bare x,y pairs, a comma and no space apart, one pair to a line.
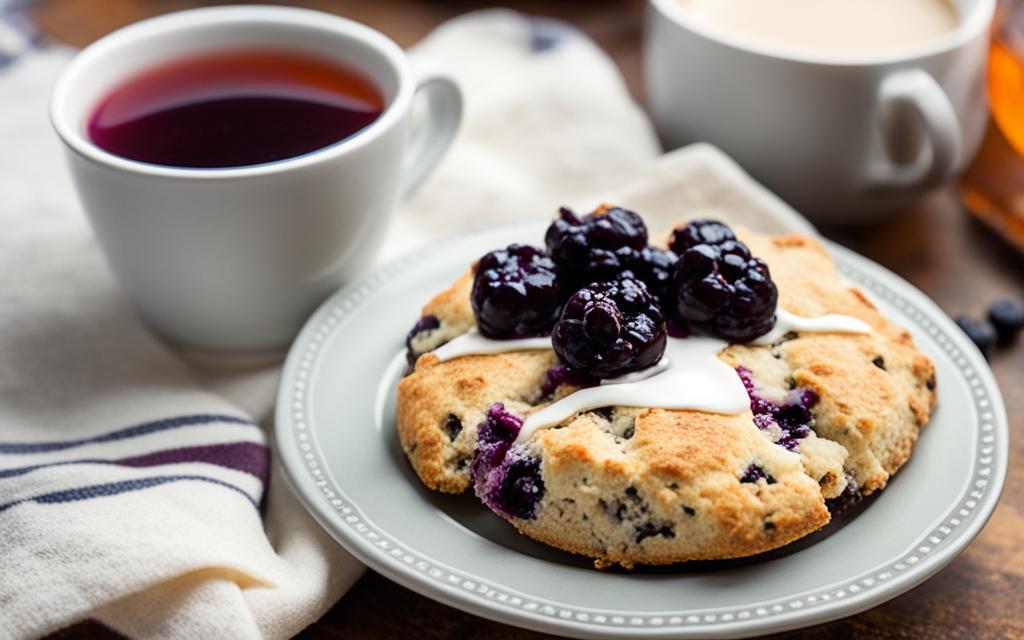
830,417
419,336
561,376
845,500
452,426
787,422
754,473
633,512
505,477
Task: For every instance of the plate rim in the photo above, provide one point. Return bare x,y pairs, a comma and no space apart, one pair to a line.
303,464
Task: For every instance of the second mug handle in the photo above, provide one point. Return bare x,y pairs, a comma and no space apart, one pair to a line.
434,132
917,90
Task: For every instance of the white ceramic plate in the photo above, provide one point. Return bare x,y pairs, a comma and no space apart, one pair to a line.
337,438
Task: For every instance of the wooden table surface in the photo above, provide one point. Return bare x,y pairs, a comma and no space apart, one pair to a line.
936,246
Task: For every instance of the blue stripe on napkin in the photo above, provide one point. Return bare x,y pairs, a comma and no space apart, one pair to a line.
121,434
115,488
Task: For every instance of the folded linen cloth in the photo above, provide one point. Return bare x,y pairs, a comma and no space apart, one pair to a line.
128,493
137,488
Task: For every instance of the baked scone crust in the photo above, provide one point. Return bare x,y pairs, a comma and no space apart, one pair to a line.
653,486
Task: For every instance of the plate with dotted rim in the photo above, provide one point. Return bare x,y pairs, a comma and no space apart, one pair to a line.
338,443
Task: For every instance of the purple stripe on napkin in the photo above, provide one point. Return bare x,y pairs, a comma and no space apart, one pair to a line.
121,434
249,457
115,488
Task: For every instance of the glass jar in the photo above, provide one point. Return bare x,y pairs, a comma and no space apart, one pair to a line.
993,186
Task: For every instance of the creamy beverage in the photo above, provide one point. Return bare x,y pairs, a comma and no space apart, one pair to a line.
833,26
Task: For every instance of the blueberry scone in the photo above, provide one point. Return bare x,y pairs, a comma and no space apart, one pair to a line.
716,398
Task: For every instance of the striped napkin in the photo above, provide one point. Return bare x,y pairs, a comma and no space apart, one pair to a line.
137,487
129,493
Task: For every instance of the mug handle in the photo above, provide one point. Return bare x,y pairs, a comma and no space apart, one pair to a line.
435,127
916,91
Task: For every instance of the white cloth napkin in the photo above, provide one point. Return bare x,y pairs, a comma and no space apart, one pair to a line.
133,485
128,493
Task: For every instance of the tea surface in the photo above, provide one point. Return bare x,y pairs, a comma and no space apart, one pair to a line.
234,108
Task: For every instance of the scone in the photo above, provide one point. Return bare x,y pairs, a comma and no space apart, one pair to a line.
827,418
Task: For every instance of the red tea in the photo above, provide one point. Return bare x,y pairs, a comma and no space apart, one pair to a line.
234,108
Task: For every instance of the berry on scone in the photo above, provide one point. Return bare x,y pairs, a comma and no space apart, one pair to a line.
611,328
598,246
654,267
516,293
719,287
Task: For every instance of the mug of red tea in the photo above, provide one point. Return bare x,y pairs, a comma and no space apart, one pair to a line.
240,163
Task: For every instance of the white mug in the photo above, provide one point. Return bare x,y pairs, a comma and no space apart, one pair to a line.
236,258
845,139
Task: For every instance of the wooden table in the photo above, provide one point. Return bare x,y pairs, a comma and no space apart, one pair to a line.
935,245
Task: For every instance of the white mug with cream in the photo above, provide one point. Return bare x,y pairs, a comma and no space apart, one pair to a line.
849,109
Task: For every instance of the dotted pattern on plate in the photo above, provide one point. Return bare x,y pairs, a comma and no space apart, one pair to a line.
929,543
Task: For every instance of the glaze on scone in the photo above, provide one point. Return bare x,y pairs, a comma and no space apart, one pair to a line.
627,485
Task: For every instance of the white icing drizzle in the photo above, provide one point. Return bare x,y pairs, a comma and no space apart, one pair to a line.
472,343
832,323
694,379
661,365
689,376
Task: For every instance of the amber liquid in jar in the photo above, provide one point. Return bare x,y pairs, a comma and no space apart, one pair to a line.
993,187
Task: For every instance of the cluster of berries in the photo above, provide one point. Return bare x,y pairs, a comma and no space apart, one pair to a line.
605,295
1005,320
